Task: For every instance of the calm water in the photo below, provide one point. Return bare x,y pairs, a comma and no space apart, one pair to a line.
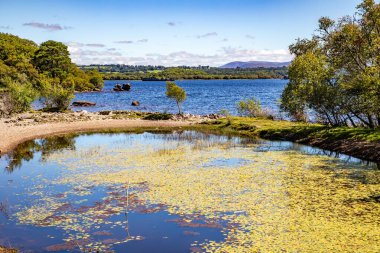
203,96
48,202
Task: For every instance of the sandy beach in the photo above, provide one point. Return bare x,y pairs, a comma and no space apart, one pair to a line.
20,128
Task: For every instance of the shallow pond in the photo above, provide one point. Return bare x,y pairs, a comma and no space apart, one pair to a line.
185,192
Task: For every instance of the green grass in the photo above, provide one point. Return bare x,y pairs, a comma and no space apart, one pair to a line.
286,130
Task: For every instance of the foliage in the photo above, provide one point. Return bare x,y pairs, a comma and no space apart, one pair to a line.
58,98
161,73
173,91
336,74
53,59
29,71
158,116
252,108
96,79
21,96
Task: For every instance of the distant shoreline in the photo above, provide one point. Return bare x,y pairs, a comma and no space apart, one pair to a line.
190,79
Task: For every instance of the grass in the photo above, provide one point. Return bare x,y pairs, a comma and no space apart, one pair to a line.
286,130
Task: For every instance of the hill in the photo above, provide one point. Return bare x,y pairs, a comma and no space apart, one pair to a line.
254,64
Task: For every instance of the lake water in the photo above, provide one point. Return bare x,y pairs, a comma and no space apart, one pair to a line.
185,192
203,96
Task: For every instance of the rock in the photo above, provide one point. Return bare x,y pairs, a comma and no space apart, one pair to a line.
83,103
127,86
117,87
135,103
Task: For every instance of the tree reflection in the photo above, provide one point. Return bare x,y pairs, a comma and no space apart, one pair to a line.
27,150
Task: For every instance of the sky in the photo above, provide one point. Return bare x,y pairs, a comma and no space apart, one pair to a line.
170,32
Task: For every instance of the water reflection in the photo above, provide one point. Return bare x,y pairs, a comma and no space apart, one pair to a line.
104,190
26,151
50,145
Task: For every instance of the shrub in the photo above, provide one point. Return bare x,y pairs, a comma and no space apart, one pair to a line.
252,108
18,97
158,116
58,98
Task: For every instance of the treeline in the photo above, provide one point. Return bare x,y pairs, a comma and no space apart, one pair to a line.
161,73
336,74
29,71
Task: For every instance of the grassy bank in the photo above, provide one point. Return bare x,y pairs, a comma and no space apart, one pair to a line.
358,142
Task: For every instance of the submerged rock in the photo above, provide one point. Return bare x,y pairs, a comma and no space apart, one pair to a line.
117,87
83,103
127,86
135,103
124,87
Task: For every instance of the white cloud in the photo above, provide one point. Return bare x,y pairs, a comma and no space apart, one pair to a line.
224,55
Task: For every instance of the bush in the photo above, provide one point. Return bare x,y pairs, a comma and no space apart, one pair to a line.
252,108
158,116
18,97
58,98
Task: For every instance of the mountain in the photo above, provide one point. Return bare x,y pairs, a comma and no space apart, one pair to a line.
254,64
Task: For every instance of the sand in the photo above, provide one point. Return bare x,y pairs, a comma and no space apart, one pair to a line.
26,127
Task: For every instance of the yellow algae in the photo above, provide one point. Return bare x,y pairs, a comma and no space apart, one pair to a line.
276,201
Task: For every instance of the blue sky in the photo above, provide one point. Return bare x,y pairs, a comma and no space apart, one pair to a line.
171,33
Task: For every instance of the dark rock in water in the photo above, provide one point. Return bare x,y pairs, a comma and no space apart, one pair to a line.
83,103
126,86
117,87
135,103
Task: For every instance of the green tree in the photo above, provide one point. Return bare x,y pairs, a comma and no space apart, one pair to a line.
173,91
18,77
53,59
336,74
96,79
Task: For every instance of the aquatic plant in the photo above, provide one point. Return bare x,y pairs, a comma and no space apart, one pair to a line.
273,201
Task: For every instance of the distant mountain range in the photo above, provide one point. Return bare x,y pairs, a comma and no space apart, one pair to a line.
254,64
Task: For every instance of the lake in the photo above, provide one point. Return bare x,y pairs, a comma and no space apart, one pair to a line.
203,96
185,191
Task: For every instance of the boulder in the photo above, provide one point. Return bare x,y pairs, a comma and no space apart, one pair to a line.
83,103
117,87
135,103
127,86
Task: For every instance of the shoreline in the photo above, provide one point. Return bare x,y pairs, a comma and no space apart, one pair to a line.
13,133
29,126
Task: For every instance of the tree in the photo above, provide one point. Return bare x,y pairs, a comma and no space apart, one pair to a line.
53,59
29,72
173,91
96,79
336,74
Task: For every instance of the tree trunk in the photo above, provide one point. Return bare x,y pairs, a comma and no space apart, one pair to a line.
179,108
